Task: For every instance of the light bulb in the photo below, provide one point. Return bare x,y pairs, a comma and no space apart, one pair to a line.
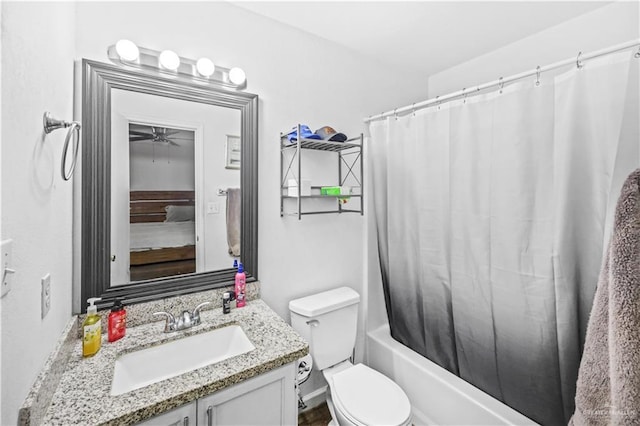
205,67
237,76
127,50
169,60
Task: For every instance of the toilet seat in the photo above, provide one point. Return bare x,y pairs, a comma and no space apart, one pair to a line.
367,397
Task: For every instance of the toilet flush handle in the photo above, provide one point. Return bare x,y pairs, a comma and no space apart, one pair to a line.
313,323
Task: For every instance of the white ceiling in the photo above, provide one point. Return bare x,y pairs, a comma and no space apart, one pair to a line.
423,36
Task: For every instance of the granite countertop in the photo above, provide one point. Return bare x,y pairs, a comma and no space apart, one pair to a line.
83,395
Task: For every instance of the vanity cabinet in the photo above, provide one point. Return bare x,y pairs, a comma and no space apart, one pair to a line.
349,173
181,416
267,399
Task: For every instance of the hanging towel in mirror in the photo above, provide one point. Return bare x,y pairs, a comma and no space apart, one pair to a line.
233,221
608,386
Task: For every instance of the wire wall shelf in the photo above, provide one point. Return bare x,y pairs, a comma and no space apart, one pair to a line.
300,199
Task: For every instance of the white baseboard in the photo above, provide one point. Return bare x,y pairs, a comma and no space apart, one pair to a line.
315,398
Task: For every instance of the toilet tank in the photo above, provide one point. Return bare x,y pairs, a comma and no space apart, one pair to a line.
329,322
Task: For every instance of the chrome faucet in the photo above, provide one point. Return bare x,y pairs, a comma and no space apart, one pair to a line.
185,320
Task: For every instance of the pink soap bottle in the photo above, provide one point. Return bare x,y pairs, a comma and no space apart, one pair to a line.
241,282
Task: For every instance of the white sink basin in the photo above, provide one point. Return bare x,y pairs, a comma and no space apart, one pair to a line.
144,367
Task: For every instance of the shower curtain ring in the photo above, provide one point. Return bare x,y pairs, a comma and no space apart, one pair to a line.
437,102
395,114
413,109
464,95
579,64
637,55
500,84
538,76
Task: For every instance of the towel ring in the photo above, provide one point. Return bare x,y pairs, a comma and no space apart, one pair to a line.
50,124
73,129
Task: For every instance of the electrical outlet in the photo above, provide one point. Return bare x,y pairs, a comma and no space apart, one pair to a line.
46,294
6,266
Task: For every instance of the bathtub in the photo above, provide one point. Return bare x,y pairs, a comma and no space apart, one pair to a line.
437,396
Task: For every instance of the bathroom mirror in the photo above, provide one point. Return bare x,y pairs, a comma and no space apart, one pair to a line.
134,122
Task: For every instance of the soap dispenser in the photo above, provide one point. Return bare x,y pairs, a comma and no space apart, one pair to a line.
117,322
91,329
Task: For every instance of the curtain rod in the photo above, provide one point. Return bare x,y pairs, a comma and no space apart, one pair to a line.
502,81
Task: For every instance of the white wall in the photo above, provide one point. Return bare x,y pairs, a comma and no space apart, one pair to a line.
1,233
601,28
333,86
37,76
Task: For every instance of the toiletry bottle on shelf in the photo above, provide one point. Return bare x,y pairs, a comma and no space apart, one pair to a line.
91,330
117,326
241,279
235,264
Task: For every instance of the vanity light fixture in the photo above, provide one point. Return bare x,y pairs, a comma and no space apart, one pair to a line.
237,76
169,60
168,64
205,67
127,50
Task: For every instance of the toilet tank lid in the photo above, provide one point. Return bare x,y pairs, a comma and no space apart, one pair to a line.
321,303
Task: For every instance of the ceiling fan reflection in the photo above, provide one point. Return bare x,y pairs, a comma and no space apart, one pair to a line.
157,135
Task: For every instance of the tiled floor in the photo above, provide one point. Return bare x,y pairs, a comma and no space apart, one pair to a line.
317,416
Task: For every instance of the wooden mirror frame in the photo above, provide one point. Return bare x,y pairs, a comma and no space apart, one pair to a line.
98,79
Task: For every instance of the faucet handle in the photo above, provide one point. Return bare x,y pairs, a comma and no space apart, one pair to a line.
170,323
185,320
196,312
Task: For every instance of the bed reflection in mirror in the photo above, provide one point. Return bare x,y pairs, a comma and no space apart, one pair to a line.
169,184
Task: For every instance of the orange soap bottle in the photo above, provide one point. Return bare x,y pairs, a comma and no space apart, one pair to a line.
117,323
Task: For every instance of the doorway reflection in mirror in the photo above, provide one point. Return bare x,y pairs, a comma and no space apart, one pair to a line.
162,237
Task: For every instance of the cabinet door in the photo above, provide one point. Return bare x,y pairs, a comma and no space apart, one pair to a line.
181,416
268,399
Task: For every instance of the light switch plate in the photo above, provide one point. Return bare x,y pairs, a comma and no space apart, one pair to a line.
213,208
45,300
6,270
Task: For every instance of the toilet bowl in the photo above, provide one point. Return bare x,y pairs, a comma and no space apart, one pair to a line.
357,395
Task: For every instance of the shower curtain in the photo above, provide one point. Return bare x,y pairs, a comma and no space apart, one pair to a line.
491,214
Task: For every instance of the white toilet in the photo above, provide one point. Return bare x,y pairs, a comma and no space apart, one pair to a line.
358,395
